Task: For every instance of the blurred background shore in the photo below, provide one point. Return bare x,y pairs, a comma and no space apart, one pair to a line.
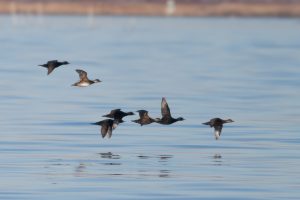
276,8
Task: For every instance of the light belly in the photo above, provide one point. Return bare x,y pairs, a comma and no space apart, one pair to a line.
83,84
217,134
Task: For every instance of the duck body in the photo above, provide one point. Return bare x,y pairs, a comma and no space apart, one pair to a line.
117,114
217,123
166,114
52,64
144,118
168,120
84,80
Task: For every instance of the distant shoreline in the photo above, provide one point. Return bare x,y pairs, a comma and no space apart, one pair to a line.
171,8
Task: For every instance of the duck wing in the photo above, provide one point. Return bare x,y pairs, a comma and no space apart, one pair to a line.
109,132
218,130
82,74
165,110
52,61
53,64
115,111
142,113
112,113
50,69
104,129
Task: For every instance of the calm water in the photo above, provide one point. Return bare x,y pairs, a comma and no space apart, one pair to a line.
244,69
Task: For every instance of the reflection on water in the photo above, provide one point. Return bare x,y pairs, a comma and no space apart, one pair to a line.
217,159
109,155
217,156
245,69
80,170
164,173
143,157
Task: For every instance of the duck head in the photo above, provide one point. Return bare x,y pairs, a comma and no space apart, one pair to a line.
130,113
180,119
228,121
97,81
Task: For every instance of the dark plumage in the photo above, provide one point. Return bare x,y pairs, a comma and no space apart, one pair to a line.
166,114
52,64
217,123
107,126
144,118
84,80
117,114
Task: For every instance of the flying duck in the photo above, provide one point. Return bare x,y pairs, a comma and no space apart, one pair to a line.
144,118
166,114
107,126
84,80
217,123
52,64
117,114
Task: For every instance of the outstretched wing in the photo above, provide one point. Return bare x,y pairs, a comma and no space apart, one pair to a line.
142,113
82,74
165,110
109,132
115,111
50,69
52,61
104,129
112,114
218,130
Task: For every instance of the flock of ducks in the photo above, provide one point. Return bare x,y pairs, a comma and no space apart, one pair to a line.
116,116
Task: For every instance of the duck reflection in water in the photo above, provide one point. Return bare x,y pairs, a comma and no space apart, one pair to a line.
162,159
164,173
110,156
80,168
217,159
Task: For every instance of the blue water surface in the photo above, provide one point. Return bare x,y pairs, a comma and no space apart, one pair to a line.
245,69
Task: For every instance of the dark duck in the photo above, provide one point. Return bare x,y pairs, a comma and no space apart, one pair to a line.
107,126
144,118
166,114
117,114
52,64
217,123
84,80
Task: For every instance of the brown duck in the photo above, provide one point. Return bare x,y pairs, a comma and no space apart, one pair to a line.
166,114
84,80
117,114
107,126
144,118
217,123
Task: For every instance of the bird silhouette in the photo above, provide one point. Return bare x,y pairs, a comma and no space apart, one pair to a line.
217,123
166,114
52,64
144,118
84,80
